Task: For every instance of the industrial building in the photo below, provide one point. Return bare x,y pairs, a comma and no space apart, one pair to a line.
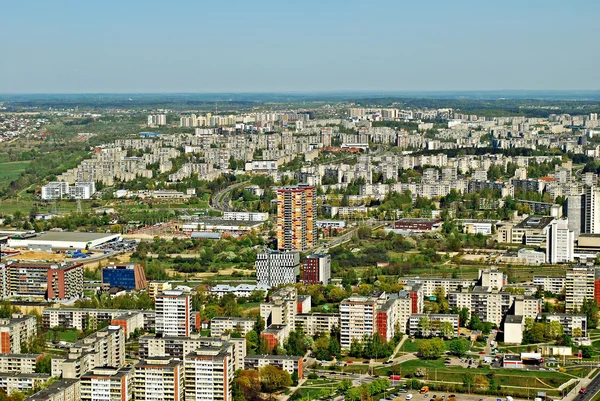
63,240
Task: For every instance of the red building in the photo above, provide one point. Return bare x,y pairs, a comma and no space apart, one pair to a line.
316,269
45,280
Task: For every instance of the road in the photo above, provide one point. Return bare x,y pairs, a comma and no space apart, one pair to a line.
592,388
222,199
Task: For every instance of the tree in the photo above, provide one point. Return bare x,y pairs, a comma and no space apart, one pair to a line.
256,296
447,330
423,326
431,349
273,379
555,330
44,365
459,346
246,386
577,332
356,348
321,349
590,309
294,345
481,382
463,316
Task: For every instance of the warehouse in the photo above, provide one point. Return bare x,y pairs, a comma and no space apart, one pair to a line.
63,240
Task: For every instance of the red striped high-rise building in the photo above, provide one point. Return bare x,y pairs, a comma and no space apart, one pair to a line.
296,214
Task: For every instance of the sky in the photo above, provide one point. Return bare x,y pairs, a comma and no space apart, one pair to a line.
197,46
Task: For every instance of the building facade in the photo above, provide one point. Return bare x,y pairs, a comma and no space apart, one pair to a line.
173,314
296,215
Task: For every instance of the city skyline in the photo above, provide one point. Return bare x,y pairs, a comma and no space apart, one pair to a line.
266,46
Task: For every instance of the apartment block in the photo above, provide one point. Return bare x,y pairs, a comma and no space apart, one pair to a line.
107,384
559,242
555,285
281,308
290,364
274,268
296,215
221,325
22,382
106,347
178,347
579,285
19,363
429,285
313,324
58,190
15,332
433,325
357,319
209,375
156,288
275,335
44,280
481,301
316,269
88,319
571,323
159,378
60,390
173,314
492,279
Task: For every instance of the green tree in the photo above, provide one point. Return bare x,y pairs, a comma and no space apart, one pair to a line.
273,379
590,309
459,346
447,330
431,349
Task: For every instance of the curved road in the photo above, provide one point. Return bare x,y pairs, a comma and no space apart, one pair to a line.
222,199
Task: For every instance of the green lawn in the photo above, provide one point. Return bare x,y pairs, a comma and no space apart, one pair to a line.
63,335
11,170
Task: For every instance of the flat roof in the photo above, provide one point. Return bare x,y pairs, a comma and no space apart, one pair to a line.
534,222
514,319
71,236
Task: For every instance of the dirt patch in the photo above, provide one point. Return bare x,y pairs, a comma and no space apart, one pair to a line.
38,255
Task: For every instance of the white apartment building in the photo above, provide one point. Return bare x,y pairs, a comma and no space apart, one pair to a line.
559,242
357,319
569,321
15,332
107,384
220,325
208,375
492,278
555,285
59,189
433,325
429,285
313,324
60,390
579,285
155,120
159,379
274,268
488,306
173,314
23,382
20,363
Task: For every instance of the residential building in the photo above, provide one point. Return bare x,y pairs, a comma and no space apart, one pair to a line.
429,285
274,268
16,332
159,378
240,291
19,363
492,278
574,325
291,364
579,285
58,190
107,384
575,212
156,288
430,324
514,326
130,276
60,390
481,301
592,210
313,324
531,231
88,319
417,224
559,242
296,215
316,269
209,375
155,120
173,314
22,382
553,284
275,335
221,325
44,280
105,347
357,319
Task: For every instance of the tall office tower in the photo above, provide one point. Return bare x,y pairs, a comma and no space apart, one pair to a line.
592,210
575,211
559,242
173,314
579,285
209,374
159,378
296,213
274,268
316,268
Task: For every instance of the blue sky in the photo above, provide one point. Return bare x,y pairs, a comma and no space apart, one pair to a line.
279,46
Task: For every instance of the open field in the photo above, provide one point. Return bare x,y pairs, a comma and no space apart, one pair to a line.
9,171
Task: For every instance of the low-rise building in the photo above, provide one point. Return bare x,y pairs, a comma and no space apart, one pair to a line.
22,382
574,325
313,324
553,284
430,324
290,364
514,325
60,390
221,325
19,363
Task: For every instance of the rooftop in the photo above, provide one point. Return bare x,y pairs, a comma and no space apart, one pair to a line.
535,222
515,319
72,236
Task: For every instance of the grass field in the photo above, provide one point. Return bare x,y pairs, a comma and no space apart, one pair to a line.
65,335
12,170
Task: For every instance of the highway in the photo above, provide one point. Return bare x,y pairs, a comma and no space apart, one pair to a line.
590,390
222,199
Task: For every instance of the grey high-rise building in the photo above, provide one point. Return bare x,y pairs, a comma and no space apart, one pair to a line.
575,212
592,210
